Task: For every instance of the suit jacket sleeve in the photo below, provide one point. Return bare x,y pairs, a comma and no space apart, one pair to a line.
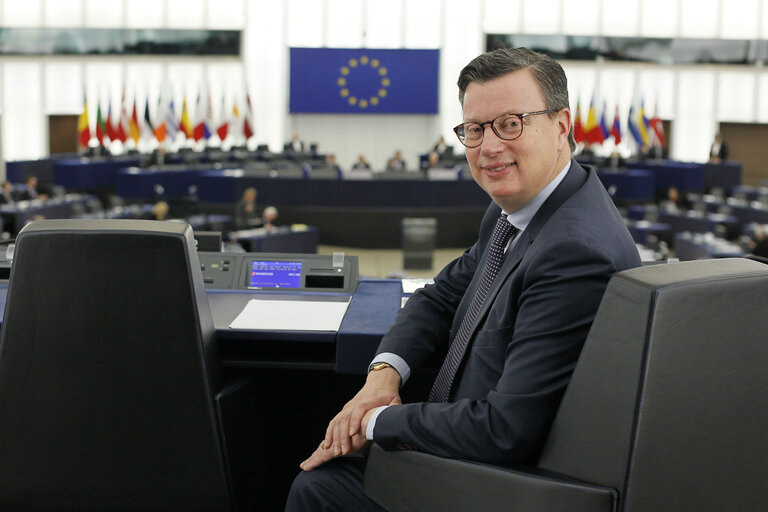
551,303
429,313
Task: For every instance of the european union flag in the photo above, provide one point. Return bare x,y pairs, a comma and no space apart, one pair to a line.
364,81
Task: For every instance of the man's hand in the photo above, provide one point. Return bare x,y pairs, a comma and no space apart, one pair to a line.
323,453
381,388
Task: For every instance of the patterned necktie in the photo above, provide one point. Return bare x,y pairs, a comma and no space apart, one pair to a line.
441,389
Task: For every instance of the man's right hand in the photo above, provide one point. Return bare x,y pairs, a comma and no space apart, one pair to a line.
381,388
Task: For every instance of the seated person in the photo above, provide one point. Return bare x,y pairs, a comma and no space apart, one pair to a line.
361,164
509,317
160,211
295,145
760,245
442,149
330,161
30,191
396,163
270,215
6,196
246,212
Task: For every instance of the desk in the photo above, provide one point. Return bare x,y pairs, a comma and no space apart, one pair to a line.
90,173
697,247
631,185
371,311
688,221
282,239
17,215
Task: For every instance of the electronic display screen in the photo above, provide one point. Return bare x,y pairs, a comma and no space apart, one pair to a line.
275,274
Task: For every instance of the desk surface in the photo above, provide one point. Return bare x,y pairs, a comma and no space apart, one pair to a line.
371,311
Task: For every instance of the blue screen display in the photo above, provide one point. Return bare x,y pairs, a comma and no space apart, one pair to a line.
275,274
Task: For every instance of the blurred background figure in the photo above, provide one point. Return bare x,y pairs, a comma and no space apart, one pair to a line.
6,196
160,211
246,212
396,163
295,145
719,150
361,164
270,215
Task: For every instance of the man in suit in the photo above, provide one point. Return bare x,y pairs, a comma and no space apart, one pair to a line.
521,341
719,150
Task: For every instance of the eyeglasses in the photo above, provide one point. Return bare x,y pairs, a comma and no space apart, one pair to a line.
506,127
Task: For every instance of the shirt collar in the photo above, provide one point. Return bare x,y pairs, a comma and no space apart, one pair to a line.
522,217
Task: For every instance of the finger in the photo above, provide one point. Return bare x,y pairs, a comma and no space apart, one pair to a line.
341,440
319,457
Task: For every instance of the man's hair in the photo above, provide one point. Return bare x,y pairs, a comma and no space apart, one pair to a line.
547,72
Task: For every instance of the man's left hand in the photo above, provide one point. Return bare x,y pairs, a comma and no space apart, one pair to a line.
324,453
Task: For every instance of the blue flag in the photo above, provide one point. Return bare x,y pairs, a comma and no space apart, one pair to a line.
363,81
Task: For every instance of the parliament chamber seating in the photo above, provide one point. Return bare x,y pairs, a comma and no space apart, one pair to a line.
109,390
665,410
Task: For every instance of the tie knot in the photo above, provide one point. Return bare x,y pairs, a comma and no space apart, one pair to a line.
502,232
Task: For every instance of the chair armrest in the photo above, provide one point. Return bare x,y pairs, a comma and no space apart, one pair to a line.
409,481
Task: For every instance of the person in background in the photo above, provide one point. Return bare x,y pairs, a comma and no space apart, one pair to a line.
396,163
246,212
719,150
760,244
295,145
31,192
361,164
330,161
442,148
160,211
270,216
6,196
509,317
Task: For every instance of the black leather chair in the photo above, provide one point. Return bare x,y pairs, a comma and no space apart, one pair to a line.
109,395
666,409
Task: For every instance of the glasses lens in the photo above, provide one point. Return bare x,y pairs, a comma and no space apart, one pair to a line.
472,134
508,127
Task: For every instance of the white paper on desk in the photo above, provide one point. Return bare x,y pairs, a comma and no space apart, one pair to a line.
291,315
411,285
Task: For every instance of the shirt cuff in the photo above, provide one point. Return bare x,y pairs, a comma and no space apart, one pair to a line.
397,362
372,422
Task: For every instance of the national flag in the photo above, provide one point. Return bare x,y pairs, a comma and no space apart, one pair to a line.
83,129
224,124
616,128
160,129
603,126
632,126
247,123
578,128
111,130
147,118
592,130
171,123
122,124
658,127
133,124
642,124
202,131
101,128
184,125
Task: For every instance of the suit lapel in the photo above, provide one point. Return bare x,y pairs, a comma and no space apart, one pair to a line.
570,184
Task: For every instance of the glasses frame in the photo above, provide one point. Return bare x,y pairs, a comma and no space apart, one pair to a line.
493,126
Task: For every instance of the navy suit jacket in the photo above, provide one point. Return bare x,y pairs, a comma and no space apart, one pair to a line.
527,337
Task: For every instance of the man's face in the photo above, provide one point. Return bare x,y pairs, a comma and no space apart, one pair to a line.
514,171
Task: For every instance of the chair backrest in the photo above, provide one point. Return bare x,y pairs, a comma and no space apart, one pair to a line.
105,381
667,402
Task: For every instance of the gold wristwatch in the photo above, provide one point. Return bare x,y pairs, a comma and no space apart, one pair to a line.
379,366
